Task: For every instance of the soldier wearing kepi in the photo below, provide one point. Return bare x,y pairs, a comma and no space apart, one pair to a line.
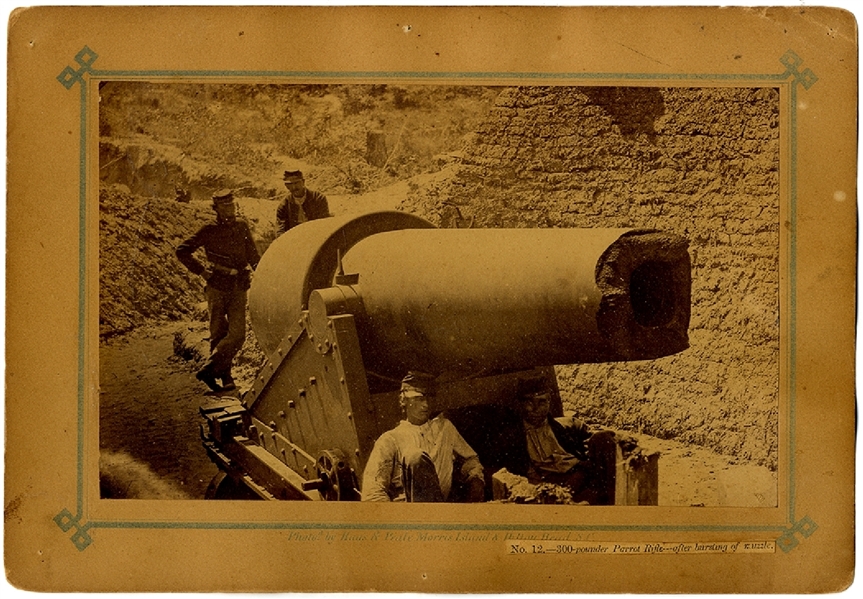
301,205
415,461
231,255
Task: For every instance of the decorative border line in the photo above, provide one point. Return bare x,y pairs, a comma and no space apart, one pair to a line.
789,541
69,76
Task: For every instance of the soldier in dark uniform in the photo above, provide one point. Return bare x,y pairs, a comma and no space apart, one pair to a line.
559,450
231,256
301,205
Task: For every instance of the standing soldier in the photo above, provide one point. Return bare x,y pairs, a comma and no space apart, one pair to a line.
231,256
301,204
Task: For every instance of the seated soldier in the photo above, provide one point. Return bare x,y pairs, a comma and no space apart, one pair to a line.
415,460
562,450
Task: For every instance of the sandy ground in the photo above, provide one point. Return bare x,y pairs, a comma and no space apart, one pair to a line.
385,198
148,420
149,435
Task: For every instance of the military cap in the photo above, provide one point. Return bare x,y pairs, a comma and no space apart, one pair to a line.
223,196
533,386
418,383
293,175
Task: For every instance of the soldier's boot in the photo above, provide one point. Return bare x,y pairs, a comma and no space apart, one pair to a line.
206,376
228,382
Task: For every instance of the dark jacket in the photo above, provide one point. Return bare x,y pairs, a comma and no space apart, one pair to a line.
498,436
315,206
571,433
227,245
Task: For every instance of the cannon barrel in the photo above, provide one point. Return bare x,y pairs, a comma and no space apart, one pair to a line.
478,301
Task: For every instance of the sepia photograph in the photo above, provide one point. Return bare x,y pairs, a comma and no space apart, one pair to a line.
583,280
432,300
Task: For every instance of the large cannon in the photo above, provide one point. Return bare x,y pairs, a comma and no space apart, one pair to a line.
345,306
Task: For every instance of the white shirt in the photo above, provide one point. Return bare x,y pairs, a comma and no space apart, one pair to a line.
301,214
382,478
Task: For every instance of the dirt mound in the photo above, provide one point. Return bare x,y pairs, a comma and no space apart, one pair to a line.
140,278
156,170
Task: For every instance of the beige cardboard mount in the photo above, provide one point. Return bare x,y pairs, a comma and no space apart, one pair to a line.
61,536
